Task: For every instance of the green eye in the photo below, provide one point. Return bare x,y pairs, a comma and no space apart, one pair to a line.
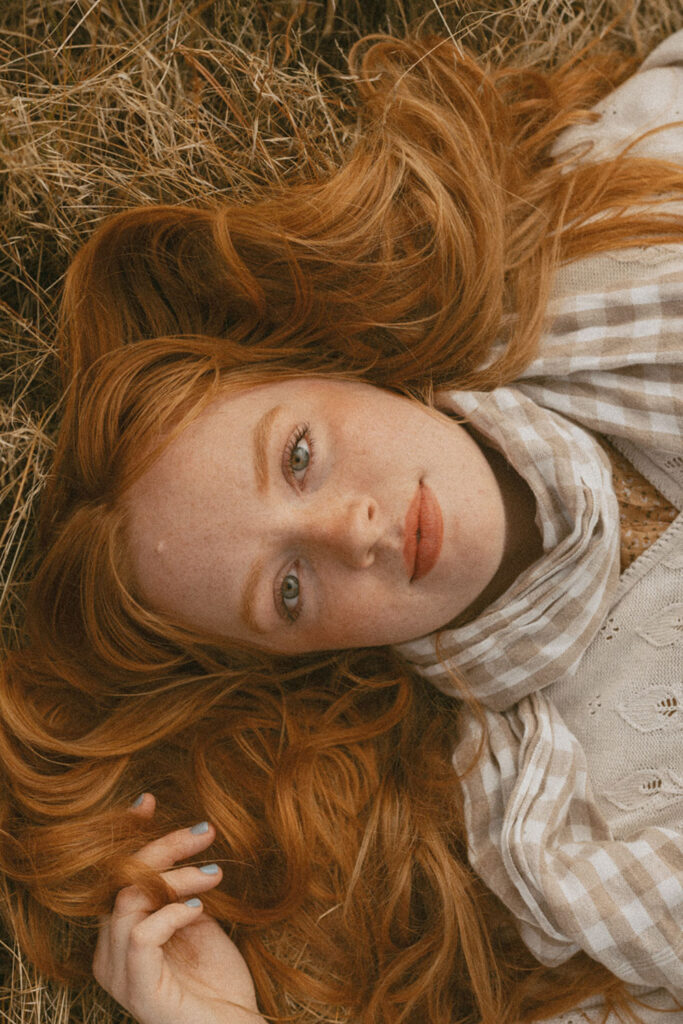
300,457
289,591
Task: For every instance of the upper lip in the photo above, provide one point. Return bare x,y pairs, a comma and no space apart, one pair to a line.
423,533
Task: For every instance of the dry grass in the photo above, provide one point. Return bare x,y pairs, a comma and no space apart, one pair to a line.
105,104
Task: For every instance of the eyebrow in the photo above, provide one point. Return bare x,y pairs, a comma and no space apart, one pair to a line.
261,439
248,594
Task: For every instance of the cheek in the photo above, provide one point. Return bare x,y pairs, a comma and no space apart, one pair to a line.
372,617
352,616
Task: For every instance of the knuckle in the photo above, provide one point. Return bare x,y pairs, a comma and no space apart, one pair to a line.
136,940
126,900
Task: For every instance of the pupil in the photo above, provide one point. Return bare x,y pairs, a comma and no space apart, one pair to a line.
290,587
300,457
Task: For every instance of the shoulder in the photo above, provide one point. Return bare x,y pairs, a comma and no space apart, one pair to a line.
646,101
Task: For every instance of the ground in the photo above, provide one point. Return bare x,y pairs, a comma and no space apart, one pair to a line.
105,104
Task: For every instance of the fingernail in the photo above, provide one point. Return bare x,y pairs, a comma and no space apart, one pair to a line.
194,902
200,829
138,800
209,869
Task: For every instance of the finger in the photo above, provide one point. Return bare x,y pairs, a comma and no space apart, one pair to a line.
144,807
102,959
191,879
163,853
135,977
156,929
129,901
134,970
130,906
131,910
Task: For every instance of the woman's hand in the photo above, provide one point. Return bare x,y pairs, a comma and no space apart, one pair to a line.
201,981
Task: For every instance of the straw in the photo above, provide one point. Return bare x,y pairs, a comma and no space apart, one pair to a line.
107,104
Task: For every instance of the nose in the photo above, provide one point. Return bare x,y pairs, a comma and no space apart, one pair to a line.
348,528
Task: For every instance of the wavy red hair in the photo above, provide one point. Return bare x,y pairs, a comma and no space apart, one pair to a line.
426,260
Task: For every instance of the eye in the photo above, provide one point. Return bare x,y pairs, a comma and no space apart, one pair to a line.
290,602
298,454
300,457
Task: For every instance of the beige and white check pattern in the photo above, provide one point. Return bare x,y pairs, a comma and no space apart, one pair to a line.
611,362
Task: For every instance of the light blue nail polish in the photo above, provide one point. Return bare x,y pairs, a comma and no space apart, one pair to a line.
194,902
209,869
138,800
201,829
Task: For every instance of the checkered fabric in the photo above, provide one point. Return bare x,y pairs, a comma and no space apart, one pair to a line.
612,363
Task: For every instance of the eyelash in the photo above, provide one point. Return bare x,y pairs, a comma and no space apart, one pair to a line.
303,430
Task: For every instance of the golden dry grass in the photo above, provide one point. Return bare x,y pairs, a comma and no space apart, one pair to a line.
105,104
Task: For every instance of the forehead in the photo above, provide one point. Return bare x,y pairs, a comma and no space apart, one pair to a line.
172,509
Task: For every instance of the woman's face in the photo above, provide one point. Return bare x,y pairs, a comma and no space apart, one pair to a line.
316,514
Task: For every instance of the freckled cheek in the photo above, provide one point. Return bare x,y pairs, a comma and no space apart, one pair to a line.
366,618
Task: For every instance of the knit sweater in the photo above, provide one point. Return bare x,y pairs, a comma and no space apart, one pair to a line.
575,816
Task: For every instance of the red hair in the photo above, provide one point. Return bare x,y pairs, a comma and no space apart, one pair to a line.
426,260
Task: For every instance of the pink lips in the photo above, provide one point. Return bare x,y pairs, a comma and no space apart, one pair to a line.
423,533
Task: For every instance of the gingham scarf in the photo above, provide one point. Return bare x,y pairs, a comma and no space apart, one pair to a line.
613,363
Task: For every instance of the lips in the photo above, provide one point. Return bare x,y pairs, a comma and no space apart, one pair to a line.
423,533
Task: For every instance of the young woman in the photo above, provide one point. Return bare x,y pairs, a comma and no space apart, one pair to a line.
319,454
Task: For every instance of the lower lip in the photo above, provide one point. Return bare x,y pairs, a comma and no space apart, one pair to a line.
423,533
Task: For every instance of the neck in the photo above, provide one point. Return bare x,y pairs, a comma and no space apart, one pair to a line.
522,545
